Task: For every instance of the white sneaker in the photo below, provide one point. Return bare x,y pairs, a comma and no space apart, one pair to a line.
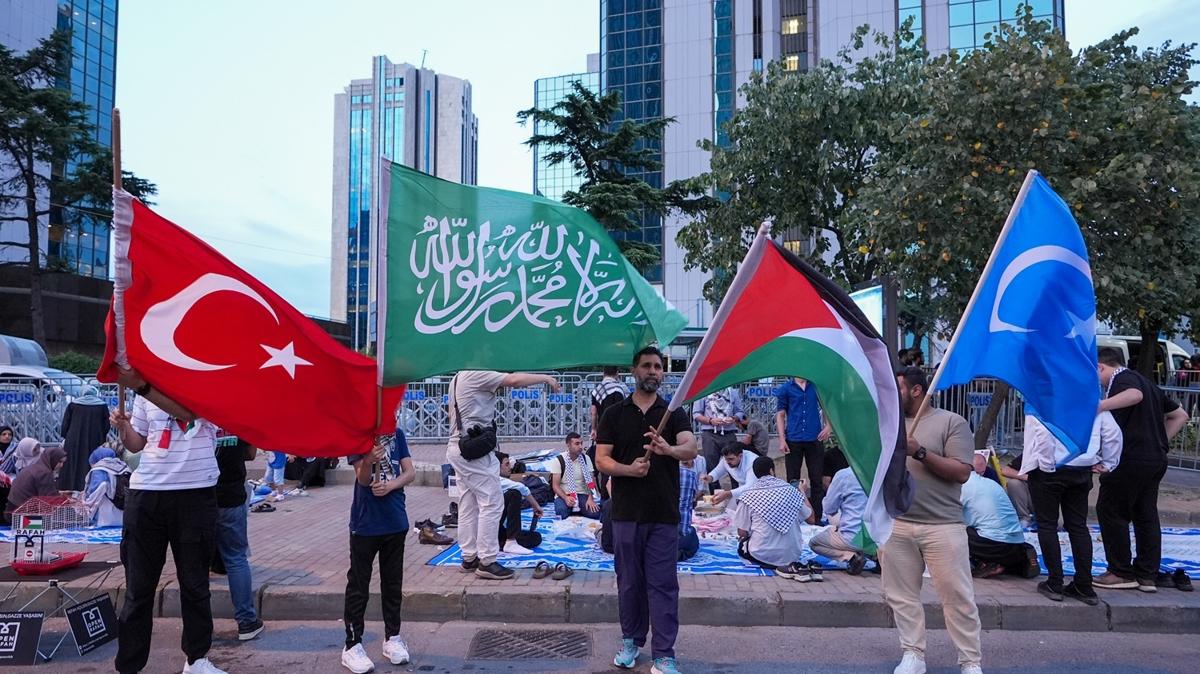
278,498
514,548
202,666
355,659
396,650
298,491
911,663
971,669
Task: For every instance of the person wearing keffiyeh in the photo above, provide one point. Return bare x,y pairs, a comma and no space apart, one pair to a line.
769,518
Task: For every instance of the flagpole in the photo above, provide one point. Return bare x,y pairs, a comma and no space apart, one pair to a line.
118,294
1008,222
718,319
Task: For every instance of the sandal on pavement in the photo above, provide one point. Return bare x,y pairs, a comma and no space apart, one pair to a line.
541,570
562,571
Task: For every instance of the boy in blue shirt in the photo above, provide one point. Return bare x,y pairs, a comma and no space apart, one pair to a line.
378,525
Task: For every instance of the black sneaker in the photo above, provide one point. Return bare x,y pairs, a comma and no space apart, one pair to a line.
1048,592
251,630
450,520
814,572
1032,568
793,571
856,564
494,571
469,566
1073,591
1164,579
1182,582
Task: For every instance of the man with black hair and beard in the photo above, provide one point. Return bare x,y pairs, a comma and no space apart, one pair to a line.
644,465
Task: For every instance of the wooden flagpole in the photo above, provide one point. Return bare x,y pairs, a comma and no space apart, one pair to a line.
937,376
117,184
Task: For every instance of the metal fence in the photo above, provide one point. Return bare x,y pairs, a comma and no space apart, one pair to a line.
36,409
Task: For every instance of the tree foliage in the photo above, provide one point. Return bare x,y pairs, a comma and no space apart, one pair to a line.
1108,127
42,129
799,152
581,130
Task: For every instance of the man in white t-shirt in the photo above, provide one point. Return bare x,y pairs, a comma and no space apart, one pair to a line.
571,478
171,501
473,395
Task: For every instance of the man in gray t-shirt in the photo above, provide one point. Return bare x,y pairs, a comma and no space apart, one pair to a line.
931,533
473,394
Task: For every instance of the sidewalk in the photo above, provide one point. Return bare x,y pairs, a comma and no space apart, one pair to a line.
299,559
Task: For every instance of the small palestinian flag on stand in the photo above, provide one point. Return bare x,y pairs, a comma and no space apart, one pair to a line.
781,318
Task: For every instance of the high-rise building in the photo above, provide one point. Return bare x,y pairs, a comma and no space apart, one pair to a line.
554,181
71,241
687,59
412,116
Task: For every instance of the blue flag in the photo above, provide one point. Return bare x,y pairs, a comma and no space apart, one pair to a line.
1033,323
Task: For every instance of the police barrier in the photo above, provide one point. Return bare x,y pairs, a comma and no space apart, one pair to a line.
35,409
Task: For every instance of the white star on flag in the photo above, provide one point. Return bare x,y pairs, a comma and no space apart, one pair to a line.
285,358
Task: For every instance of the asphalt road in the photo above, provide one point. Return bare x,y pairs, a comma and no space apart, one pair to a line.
442,649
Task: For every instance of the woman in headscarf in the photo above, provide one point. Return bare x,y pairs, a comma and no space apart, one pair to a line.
35,480
6,446
102,485
23,455
6,438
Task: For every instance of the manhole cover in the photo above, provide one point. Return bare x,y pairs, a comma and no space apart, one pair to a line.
530,645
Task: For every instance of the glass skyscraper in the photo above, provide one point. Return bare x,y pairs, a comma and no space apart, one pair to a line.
631,62
411,116
970,20
549,181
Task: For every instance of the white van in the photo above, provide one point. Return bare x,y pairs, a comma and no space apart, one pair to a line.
1169,357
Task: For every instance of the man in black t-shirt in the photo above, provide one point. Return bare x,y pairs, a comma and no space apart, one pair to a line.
644,466
1148,420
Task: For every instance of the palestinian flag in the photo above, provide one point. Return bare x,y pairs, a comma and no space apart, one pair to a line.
781,318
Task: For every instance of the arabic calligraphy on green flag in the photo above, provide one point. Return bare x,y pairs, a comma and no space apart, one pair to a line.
480,278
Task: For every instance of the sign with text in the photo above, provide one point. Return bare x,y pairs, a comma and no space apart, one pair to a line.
93,623
19,636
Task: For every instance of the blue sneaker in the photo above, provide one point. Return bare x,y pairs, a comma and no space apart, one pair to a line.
627,656
664,666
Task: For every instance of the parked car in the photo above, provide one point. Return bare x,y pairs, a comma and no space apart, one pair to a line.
1169,357
53,383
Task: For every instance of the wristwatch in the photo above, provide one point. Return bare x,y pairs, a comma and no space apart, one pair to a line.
920,455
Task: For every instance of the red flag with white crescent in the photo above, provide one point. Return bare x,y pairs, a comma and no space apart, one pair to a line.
222,344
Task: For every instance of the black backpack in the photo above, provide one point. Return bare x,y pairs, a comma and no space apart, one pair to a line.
540,490
122,488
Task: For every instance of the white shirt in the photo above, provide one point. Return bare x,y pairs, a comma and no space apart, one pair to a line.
186,463
578,475
743,474
766,543
475,395
1043,451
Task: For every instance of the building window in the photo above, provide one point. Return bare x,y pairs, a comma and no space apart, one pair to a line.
793,25
914,10
791,62
972,20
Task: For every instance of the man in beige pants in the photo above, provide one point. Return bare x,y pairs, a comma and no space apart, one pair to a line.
932,534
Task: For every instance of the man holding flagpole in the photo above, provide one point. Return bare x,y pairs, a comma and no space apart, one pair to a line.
640,444
932,534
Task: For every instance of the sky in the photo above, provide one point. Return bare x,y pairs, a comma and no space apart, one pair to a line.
227,105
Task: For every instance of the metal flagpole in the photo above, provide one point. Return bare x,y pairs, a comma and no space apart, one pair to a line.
937,375
118,295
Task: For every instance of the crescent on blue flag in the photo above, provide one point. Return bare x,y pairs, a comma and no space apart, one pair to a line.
1032,319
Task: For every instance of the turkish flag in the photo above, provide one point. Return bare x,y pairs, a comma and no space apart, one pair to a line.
220,343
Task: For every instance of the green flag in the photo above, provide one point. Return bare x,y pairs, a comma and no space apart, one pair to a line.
479,278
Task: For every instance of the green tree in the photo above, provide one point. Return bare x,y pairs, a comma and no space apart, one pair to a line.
581,130
1107,127
800,151
75,362
42,129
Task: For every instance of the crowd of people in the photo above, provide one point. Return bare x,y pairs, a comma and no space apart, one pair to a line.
643,476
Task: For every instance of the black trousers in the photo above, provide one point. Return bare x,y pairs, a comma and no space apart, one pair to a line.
510,517
813,452
186,520
1064,490
1014,557
1130,494
363,549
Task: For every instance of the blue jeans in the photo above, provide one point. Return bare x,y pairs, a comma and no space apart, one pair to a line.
234,547
564,511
